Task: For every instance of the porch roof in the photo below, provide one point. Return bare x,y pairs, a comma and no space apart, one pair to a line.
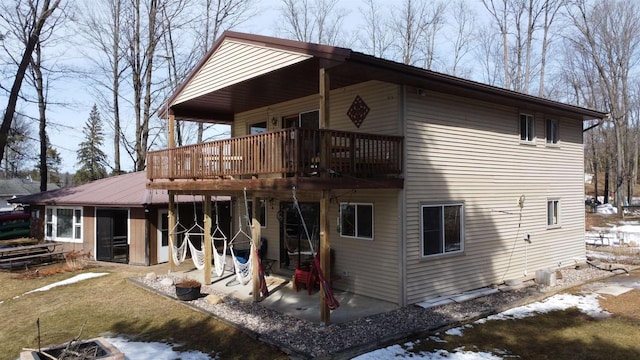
128,190
244,71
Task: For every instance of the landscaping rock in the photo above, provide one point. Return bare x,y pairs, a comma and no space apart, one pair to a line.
151,276
213,299
166,281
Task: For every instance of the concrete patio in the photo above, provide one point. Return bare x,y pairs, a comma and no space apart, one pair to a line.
284,298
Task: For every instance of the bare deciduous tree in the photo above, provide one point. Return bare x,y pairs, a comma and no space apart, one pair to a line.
25,19
312,20
607,32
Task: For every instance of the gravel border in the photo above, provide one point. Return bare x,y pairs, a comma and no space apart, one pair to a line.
301,339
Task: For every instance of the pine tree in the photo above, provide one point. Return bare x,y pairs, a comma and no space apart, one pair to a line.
91,158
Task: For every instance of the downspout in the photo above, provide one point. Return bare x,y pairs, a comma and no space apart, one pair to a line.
600,122
402,201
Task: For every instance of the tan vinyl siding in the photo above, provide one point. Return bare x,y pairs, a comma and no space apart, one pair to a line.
382,99
460,150
89,230
234,62
372,265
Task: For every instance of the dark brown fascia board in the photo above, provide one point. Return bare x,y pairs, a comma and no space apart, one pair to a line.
330,54
586,114
200,116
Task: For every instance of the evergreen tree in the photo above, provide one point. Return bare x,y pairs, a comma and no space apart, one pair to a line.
91,158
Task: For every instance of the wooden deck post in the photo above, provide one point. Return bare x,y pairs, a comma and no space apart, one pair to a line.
207,239
325,253
171,141
325,156
255,238
171,224
325,138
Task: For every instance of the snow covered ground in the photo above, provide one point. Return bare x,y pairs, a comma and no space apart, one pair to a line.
627,234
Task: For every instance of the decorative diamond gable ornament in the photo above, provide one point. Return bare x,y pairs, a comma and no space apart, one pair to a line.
358,111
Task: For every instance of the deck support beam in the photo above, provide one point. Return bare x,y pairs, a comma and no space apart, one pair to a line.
255,242
207,239
172,224
325,246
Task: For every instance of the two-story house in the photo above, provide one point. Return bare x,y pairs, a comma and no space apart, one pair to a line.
421,184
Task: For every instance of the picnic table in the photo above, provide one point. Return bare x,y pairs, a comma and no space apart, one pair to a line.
40,252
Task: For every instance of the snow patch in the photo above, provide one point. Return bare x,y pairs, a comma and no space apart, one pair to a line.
71,280
135,350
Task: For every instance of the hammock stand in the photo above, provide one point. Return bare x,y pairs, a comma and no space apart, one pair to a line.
316,269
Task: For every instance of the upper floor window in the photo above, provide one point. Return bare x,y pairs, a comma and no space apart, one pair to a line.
527,128
258,128
356,220
552,131
305,120
63,224
442,228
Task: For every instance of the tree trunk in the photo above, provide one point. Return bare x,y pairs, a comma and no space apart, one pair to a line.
34,29
606,183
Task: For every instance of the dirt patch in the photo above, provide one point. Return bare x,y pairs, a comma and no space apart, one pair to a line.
625,306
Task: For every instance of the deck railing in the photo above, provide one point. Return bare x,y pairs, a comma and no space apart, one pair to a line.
287,152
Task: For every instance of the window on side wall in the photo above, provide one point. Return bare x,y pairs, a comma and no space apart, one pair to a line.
356,220
553,212
552,131
63,224
527,128
442,228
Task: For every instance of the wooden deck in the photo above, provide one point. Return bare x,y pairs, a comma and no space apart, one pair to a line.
325,158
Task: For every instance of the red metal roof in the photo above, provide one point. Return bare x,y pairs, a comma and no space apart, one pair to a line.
128,190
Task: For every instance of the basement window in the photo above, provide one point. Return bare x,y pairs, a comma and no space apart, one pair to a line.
442,228
356,220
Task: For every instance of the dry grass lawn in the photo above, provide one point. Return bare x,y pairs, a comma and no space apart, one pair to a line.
112,306
566,334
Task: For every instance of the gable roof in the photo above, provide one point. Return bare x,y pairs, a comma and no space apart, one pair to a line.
128,190
244,71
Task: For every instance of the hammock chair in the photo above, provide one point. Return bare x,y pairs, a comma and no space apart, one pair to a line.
316,269
179,253
244,271
218,235
196,231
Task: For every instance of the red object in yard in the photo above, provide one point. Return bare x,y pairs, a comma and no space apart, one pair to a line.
306,277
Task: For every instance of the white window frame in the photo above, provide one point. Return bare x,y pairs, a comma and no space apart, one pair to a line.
554,211
356,226
552,137
51,218
444,251
529,129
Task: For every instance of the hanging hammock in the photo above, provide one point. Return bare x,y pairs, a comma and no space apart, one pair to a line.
179,253
218,235
196,231
243,270
316,268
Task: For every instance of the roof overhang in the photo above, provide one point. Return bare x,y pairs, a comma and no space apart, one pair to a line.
293,72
